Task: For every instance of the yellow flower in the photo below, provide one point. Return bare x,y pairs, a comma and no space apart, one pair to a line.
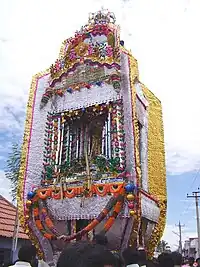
81,49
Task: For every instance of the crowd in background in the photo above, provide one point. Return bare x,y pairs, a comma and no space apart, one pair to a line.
96,254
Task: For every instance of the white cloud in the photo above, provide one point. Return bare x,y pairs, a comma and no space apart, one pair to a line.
5,189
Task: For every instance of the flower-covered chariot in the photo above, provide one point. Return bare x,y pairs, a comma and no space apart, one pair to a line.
93,154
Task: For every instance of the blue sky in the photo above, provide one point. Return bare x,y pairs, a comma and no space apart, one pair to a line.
162,35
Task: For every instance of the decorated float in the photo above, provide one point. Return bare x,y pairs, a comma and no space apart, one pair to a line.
93,156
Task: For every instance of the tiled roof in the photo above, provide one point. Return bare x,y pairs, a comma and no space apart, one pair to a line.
7,220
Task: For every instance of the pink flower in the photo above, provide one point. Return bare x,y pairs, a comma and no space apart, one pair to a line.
57,65
72,55
90,50
109,51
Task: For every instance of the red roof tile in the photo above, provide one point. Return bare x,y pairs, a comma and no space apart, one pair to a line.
7,220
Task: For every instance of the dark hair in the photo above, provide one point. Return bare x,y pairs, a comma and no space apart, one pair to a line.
142,257
191,261
85,254
177,258
118,259
34,251
198,259
165,260
26,253
7,264
130,256
99,257
101,239
151,263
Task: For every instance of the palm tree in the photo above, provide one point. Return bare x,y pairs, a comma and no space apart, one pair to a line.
13,166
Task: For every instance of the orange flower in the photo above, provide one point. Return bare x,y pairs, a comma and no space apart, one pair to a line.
101,189
44,210
116,187
49,222
118,207
43,193
91,226
48,236
70,192
36,212
109,223
39,224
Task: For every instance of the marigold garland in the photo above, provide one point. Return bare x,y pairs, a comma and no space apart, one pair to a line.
133,69
116,201
71,192
114,215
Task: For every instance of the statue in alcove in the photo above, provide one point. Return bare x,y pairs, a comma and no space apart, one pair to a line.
95,135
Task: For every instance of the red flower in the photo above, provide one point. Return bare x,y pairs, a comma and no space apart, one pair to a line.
60,92
88,86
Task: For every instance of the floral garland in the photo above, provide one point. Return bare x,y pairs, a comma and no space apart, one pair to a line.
133,74
71,192
113,79
46,226
77,50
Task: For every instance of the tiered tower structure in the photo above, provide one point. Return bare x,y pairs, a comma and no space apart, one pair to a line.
93,156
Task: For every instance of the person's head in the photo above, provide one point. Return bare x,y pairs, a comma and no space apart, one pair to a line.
85,254
165,260
118,259
7,264
142,257
177,258
34,262
100,239
99,256
151,263
198,261
191,261
26,253
130,256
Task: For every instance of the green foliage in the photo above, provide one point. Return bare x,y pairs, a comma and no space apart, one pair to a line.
13,167
105,164
49,172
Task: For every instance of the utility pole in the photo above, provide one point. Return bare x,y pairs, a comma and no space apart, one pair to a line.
180,226
15,235
196,196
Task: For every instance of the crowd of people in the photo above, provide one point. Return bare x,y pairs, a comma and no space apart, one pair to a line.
96,254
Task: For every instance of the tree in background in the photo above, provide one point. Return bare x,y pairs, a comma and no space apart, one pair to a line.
161,247
13,166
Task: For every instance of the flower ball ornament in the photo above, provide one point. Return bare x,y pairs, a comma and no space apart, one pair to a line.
28,203
27,216
30,195
129,188
131,205
69,90
132,212
130,197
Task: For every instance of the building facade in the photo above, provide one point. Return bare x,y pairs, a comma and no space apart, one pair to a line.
8,252
191,248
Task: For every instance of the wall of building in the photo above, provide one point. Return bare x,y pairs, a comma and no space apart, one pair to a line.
191,248
6,247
